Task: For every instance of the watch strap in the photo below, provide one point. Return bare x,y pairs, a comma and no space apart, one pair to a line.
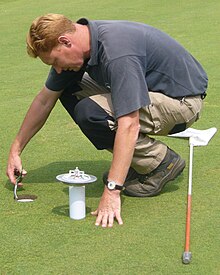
119,187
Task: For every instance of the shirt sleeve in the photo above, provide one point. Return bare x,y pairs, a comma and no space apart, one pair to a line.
129,89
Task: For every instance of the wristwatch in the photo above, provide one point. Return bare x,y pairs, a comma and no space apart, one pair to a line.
112,185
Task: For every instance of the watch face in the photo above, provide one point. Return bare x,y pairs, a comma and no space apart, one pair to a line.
111,185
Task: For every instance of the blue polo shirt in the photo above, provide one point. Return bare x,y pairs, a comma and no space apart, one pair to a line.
130,59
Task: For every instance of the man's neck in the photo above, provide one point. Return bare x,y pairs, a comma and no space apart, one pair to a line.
83,36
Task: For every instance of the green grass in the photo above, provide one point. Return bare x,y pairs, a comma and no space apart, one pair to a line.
40,238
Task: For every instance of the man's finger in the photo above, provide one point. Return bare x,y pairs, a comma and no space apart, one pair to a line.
118,217
21,174
105,220
110,220
94,213
24,173
99,218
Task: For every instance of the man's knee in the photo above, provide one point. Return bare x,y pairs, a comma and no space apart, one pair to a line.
88,113
93,121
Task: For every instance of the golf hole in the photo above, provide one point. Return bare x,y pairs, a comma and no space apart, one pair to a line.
26,198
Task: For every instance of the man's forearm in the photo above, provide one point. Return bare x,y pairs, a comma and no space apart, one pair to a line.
34,119
125,140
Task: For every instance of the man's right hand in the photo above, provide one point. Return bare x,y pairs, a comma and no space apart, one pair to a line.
14,168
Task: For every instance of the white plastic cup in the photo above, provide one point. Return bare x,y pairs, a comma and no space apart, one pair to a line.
77,207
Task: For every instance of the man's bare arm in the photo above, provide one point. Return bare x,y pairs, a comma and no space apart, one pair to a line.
35,118
126,136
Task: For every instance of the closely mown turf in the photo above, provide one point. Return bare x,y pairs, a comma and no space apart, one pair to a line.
39,237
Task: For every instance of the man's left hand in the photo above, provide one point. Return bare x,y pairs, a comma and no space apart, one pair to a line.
109,209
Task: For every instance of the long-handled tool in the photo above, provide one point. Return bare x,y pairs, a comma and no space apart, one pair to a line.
196,138
187,255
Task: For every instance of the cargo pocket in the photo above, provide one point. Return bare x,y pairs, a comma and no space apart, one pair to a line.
156,118
191,109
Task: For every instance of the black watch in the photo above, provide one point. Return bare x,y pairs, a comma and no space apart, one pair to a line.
114,186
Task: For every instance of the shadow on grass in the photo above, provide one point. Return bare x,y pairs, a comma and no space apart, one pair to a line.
63,210
48,173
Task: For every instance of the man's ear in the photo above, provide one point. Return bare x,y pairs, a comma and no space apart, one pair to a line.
64,40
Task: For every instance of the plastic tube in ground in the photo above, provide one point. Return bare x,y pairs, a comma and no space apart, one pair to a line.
77,207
